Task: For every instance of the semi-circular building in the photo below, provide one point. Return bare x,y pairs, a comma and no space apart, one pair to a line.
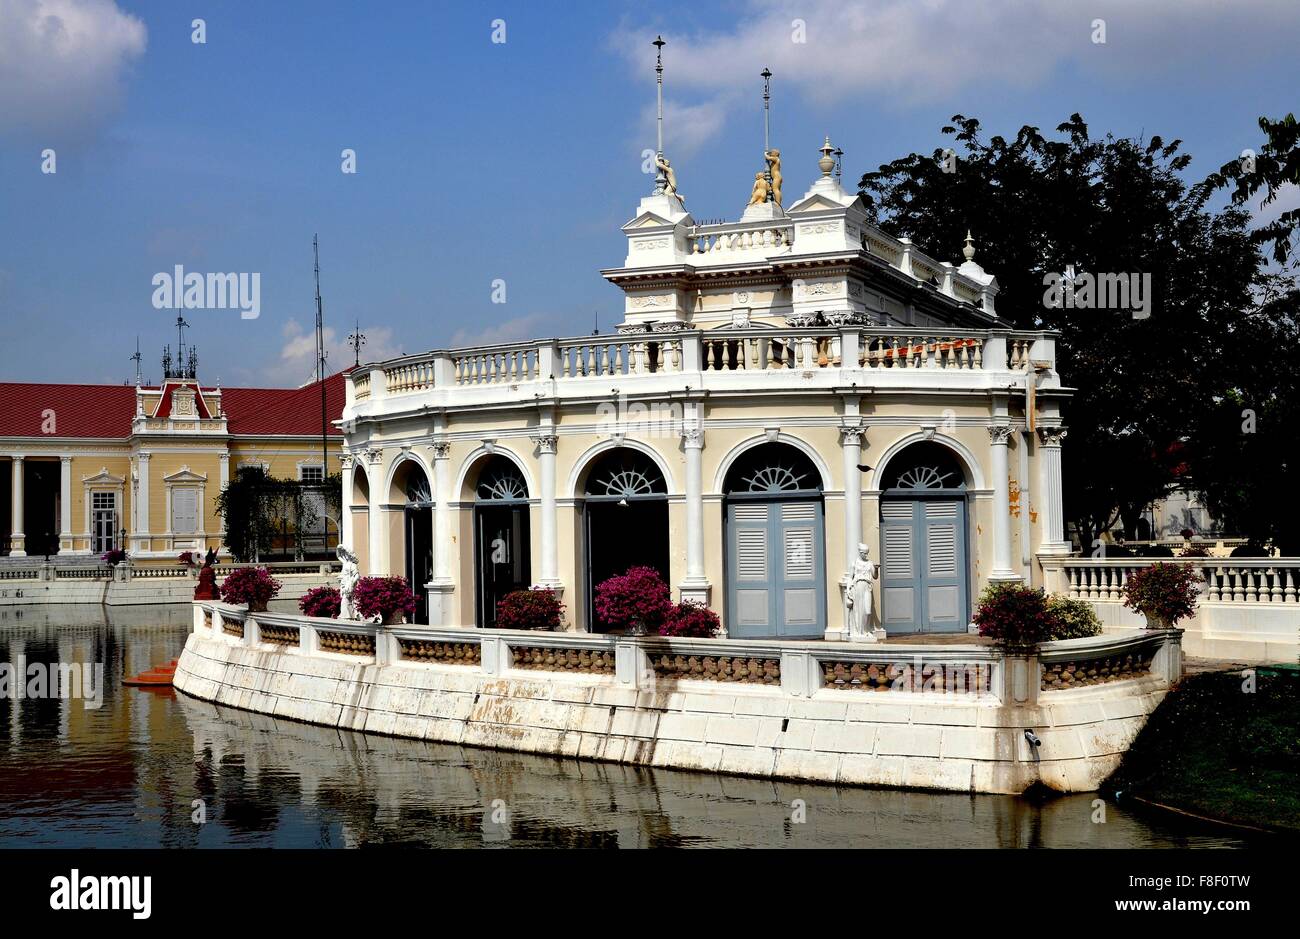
781,389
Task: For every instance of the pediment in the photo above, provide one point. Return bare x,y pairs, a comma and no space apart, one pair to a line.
648,220
185,475
817,203
103,478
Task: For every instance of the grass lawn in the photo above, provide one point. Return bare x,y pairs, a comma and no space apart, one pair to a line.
1214,749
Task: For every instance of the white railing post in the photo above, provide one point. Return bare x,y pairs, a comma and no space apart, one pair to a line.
548,360
691,358
800,674
630,662
995,352
493,655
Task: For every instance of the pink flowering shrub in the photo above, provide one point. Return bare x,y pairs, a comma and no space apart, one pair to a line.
325,602
252,585
636,600
383,597
691,620
114,557
530,609
1015,616
1164,593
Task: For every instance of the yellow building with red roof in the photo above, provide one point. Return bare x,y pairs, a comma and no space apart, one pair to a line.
88,468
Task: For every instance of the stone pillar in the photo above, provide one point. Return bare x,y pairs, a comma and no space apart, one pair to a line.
345,511
1052,504
441,589
17,539
696,586
223,480
549,567
377,562
141,533
851,450
65,503
999,434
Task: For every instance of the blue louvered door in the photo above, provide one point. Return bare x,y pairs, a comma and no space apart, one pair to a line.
776,570
923,565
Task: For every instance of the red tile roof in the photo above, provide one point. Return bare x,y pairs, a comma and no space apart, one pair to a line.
106,411
78,410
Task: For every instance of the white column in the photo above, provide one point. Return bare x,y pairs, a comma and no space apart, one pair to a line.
141,533
443,586
550,560
999,434
1052,502
696,586
65,503
378,559
17,539
345,510
851,440
223,480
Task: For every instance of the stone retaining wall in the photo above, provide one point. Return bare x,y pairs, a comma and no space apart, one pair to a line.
800,729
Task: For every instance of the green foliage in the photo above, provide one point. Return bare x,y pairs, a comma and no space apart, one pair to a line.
264,515
1038,204
1072,619
1215,748
1164,592
1014,616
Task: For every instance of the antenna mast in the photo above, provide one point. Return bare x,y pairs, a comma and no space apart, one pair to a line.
136,359
320,380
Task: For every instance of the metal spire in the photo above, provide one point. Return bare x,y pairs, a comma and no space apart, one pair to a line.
661,180
767,97
136,359
356,341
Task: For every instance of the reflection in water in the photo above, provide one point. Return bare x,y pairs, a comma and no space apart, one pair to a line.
129,774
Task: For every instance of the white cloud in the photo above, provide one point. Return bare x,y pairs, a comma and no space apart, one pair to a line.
1288,199
297,360
511,330
63,63
911,51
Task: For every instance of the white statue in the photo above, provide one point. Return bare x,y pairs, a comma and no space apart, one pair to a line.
348,578
858,597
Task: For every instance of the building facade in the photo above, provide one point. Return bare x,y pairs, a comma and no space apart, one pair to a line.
781,389
87,468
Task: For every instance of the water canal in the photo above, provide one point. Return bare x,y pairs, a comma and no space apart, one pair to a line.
139,769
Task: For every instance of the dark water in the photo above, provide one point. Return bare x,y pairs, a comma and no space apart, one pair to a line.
128,774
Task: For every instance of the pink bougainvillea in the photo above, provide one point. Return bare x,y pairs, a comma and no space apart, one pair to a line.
383,597
636,600
691,621
324,602
252,585
530,609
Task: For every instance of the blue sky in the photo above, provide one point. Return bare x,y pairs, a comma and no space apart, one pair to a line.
516,161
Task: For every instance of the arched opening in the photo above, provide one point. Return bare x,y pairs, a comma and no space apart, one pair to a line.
923,532
775,545
361,519
625,519
501,536
411,489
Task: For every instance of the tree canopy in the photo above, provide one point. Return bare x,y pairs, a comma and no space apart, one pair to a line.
268,516
1148,385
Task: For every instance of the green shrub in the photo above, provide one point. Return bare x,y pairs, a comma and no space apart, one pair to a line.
1072,619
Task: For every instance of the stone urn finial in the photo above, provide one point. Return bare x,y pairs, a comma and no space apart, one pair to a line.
827,162
969,251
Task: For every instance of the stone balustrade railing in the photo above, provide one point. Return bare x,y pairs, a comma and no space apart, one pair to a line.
144,570
872,349
1224,580
729,239
797,668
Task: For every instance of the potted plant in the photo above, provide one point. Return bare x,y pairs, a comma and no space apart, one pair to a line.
1163,593
691,620
536,608
251,585
636,602
186,559
323,602
386,600
1014,616
114,556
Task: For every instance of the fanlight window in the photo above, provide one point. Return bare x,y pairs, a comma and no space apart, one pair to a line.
418,494
772,468
924,466
774,479
625,475
501,481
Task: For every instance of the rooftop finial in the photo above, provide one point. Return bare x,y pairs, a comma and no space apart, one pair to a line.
969,251
767,146
661,178
827,162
